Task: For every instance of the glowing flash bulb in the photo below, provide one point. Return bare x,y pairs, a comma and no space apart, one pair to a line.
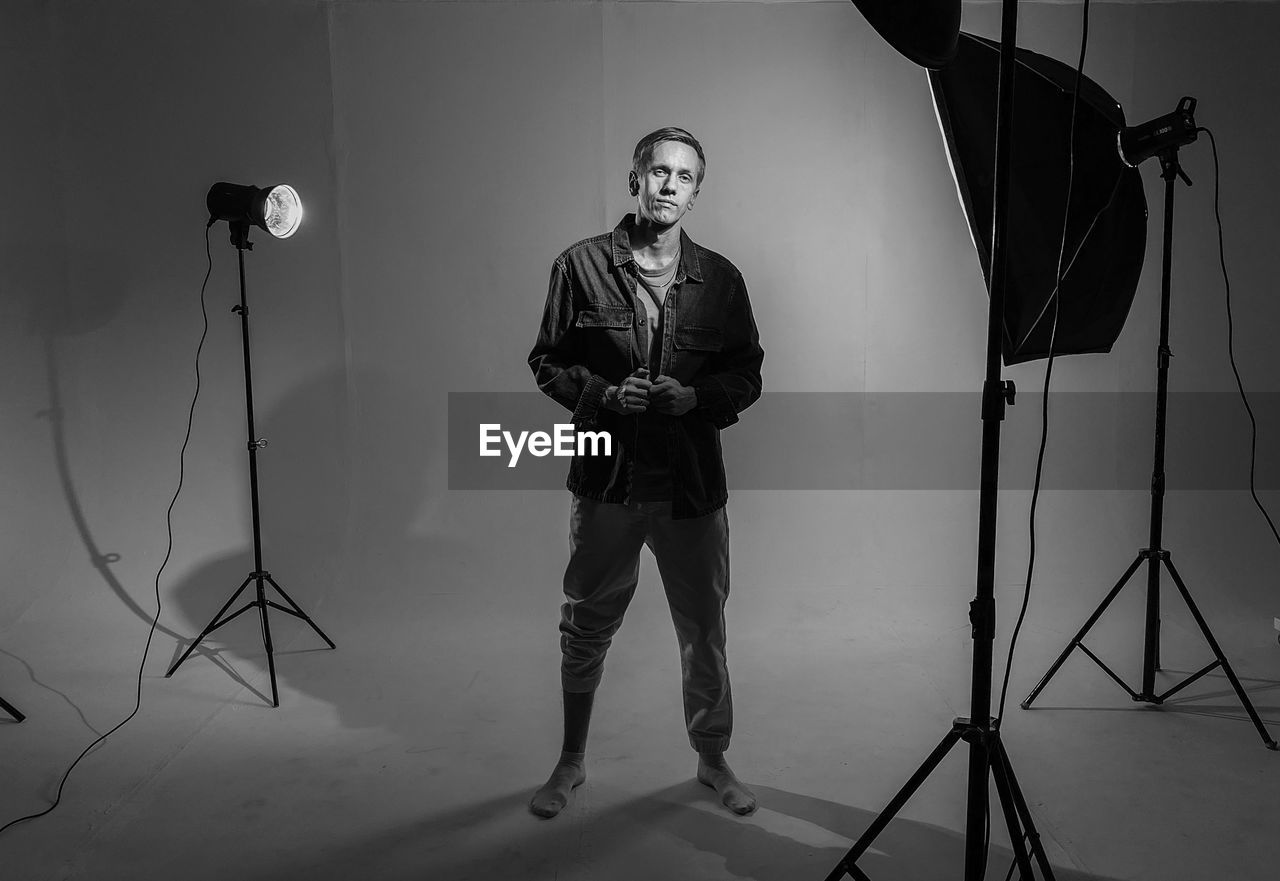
278,210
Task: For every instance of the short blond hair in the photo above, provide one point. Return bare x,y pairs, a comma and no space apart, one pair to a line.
646,145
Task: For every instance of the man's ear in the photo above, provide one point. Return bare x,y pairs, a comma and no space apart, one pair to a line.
633,183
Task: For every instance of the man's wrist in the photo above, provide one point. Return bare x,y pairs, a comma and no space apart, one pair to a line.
609,399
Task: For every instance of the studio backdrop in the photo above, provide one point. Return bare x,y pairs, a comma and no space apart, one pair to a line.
446,152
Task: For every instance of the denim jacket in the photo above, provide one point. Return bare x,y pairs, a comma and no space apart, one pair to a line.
593,334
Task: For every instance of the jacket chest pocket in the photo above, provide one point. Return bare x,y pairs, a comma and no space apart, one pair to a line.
606,317
607,330
691,347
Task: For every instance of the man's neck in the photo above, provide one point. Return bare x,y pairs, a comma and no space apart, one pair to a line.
654,246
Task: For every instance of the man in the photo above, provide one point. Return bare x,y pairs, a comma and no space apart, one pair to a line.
649,337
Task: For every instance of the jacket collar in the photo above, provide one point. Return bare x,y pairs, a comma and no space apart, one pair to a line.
689,268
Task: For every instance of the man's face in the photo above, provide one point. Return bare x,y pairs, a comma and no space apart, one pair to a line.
667,186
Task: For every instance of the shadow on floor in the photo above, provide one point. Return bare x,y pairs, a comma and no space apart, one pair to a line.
674,834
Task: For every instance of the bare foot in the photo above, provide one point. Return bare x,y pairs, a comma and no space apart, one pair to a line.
551,798
714,771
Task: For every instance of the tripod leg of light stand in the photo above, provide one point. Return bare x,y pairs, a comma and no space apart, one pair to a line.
214,624
1151,629
993,762
266,636
260,578
297,612
1017,814
11,710
1014,822
1217,651
846,865
1088,625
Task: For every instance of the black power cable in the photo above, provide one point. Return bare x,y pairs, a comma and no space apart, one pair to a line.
1231,351
1044,402
204,314
1048,373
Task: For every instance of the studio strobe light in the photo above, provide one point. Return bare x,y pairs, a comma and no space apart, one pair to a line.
1160,138
1138,143
278,210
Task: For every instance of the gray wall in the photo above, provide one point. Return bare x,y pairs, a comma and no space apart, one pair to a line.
445,152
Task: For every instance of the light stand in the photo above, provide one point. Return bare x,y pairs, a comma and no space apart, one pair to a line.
259,576
1154,554
11,710
988,759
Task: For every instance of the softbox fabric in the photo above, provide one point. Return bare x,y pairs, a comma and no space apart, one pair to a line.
924,31
1107,225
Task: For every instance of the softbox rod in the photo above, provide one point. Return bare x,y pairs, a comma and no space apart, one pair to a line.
988,761
982,610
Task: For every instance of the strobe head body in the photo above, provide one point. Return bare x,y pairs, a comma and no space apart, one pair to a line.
1160,135
277,209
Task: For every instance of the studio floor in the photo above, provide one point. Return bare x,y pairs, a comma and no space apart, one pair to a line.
411,750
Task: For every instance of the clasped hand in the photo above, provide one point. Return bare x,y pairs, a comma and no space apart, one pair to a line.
664,394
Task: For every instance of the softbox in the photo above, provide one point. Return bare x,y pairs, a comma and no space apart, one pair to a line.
924,31
1107,225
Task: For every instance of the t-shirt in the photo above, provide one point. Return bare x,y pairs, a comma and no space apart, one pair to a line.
652,481
652,290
